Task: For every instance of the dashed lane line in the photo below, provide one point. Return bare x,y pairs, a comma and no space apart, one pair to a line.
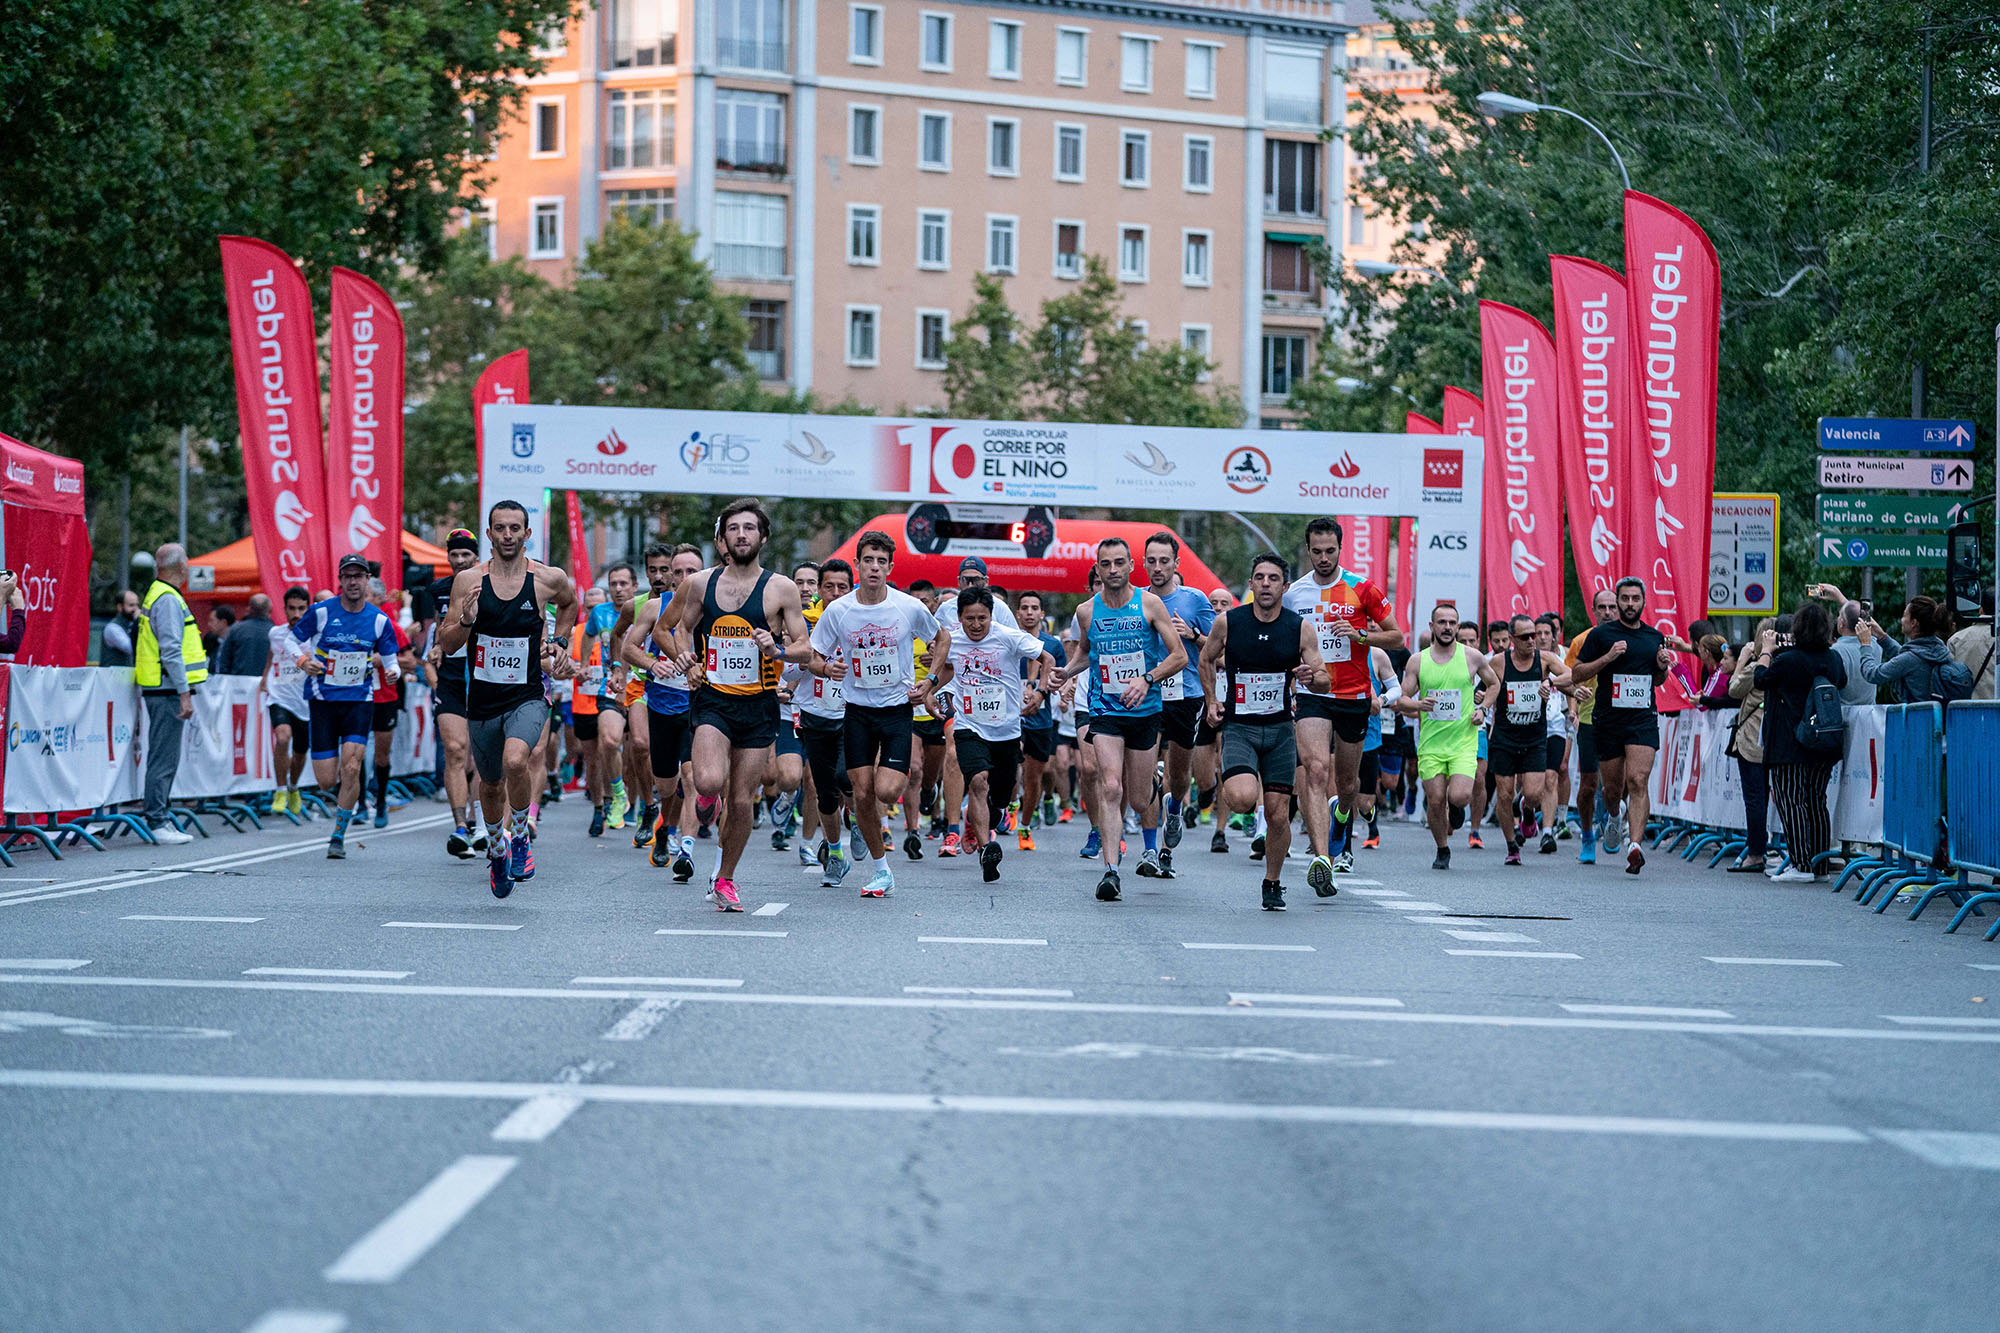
1268,997
638,1022
226,920
761,934
656,981
427,1217
1015,991
1256,948
1943,1022
1774,962
300,1321
353,973
770,909
42,964
1509,953
975,939
1654,1010
1492,936
449,925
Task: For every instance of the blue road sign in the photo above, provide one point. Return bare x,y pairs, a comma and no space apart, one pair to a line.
1899,434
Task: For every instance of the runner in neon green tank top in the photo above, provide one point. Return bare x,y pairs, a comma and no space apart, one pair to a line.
1439,690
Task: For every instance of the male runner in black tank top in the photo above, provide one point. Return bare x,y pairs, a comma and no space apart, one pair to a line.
1517,695
722,620
497,608
1263,649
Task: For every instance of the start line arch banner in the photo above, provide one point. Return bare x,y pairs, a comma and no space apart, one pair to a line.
1435,479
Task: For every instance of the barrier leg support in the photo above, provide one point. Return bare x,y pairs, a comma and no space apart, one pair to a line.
1955,888
1897,886
14,832
1856,866
1970,907
182,817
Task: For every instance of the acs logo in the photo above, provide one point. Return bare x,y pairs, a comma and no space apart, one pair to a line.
1447,541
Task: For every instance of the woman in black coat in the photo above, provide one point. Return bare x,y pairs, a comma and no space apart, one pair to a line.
1798,776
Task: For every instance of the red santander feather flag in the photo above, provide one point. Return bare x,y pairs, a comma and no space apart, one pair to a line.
1414,423
275,349
1594,407
505,381
1674,281
364,429
1464,414
1521,521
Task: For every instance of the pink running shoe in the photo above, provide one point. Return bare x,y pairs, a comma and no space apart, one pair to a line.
723,895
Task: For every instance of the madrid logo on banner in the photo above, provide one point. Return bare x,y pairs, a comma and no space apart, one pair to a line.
1594,411
1522,516
364,436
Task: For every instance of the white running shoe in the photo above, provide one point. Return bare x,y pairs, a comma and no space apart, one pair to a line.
880,885
169,836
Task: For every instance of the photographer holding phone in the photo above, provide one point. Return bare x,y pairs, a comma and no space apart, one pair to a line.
16,603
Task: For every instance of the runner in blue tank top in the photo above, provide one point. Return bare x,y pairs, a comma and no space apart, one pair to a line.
1126,641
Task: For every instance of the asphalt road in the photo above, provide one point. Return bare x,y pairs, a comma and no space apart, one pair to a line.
293,1094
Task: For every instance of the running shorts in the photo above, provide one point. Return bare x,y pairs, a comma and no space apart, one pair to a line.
1618,728
1205,734
978,755
1558,753
613,706
750,722
1349,716
1485,746
878,737
668,735
448,699
282,716
339,722
385,715
1512,759
1462,762
1038,743
1390,760
585,726
788,739
928,730
1586,747
1180,722
1371,772
1138,733
489,736
1271,753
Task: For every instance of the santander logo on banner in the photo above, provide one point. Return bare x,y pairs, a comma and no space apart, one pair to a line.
1594,413
1675,286
1522,516
364,437
273,344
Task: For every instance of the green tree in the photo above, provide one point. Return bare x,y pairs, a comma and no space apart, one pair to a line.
986,366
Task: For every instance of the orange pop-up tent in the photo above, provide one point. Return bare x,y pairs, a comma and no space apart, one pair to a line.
228,575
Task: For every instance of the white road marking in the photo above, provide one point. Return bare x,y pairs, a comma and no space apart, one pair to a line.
25,1020
238,920
764,934
537,1118
1433,920
1359,884
1945,1022
1492,936
973,939
1001,1005
640,1020
300,1321
1658,1011
770,909
1775,962
1256,948
404,1236
1985,967
1398,905
447,925
1263,1055
1268,997
655,981
1357,889
356,973
1507,953
1946,1147
42,964
1018,991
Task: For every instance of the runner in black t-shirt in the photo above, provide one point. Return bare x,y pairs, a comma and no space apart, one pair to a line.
1633,657
1518,683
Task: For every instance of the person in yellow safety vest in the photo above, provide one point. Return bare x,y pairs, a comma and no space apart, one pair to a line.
168,661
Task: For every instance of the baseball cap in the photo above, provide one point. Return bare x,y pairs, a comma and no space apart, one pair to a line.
972,562
354,560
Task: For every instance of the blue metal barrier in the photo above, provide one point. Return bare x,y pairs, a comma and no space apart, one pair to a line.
1912,801
1972,775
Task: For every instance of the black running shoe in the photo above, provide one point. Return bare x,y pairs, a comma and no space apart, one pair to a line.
597,814
1457,818
647,815
459,844
497,877
661,853
1107,887
1220,842
1274,896
1442,861
1257,848
913,846
1166,863
683,867
1635,860
989,861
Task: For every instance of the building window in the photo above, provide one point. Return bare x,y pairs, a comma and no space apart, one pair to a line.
1287,269
864,233
1198,164
862,348
1197,267
1003,49
1284,363
1291,85
1069,152
934,141
654,207
545,116
1000,243
1135,157
553,41
933,327
640,133
487,220
864,34
934,238
750,34
1132,252
1357,225
749,235
864,135
1072,56
936,49
749,131
1069,249
1196,339
1003,146
1135,64
1291,178
1203,60
766,348
545,236
639,34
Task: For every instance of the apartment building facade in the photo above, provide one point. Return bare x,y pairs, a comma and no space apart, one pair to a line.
848,165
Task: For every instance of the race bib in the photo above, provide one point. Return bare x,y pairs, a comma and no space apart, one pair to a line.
1631,691
827,691
345,670
1170,688
668,672
985,701
1389,720
1446,705
285,669
1259,693
1117,670
1524,702
875,666
733,662
1334,647
593,680
500,661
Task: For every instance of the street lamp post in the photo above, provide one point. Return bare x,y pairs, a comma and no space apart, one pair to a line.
1500,104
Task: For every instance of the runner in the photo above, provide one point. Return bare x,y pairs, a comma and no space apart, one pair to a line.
498,608
1603,611
787,777
971,574
1128,643
650,652
723,622
1555,782
1342,607
984,664
586,652
1637,658
336,643
866,641
1191,615
1378,749
1038,727
1263,648
388,702
448,675
620,583
1438,689
291,719
1518,688
822,724
657,561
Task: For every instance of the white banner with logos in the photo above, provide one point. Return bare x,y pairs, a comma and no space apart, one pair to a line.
226,745
1696,780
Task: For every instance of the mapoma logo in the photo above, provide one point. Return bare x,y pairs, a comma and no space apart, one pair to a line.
1248,470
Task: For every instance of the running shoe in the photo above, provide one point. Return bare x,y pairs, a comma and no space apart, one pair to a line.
837,868
1170,831
661,853
597,817
683,866
781,809
1319,877
1064,815
806,858
1274,896
336,847
1372,841
1220,842
497,878
534,826
478,840
950,847
880,885
1257,848
1012,823
1049,812
1635,860
989,860
1567,831
913,846
1344,863
779,841
857,846
1026,842
1473,839
648,816
1457,818
1442,861
620,804
1131,822
1093,846
382,819
1149,863
521,858
1513,857
723,894
705,810
1588,856
1166,863
1107,886
459,844
1548,844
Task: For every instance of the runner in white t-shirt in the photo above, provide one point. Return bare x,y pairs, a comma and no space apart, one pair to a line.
971,574
285,684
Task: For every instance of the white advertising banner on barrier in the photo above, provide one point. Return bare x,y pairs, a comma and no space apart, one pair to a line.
72,738
226,745
1857,813
1696,780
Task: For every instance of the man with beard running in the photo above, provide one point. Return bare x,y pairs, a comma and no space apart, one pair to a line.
500,610
1518,686
667,708
1263,649
1180,696
822,727
1438,690
723,621
1603,611
341,644
1634,657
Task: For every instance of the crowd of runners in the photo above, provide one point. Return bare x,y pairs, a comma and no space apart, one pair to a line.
833,707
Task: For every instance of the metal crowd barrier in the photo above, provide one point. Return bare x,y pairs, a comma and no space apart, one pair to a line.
1972,772
1912,805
